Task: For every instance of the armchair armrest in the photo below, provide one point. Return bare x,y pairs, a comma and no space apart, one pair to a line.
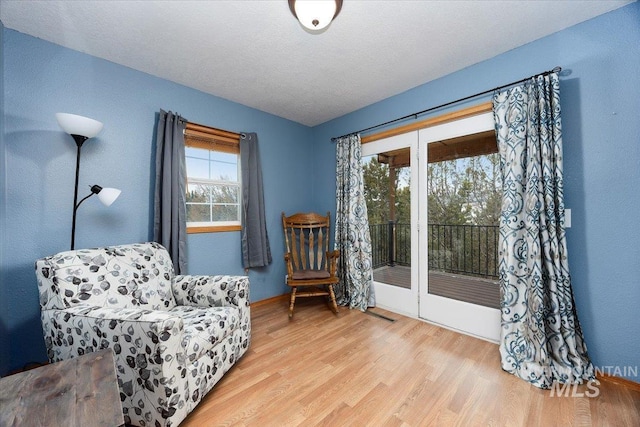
216,291
147,344
211,291
85,328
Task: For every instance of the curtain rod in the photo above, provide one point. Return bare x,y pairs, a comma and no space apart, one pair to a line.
222,131
466,98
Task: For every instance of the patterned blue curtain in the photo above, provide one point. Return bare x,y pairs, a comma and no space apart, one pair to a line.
352,236
541,338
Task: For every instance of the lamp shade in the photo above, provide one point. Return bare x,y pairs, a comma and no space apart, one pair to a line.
108,195
78,125
315,14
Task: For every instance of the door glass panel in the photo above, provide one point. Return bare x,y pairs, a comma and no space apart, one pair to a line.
464,198
387,179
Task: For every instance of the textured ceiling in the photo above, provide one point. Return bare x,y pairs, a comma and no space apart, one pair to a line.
255,53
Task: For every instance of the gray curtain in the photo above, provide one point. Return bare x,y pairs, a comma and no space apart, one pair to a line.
170,216
352,237
541,338
255,241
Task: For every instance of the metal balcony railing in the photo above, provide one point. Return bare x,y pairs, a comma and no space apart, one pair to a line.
459,249
391,244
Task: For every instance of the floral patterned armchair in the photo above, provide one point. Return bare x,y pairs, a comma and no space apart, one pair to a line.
173,337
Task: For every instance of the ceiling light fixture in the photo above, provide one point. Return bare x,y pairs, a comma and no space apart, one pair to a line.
315,15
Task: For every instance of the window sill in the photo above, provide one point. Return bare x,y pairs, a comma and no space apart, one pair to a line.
213,229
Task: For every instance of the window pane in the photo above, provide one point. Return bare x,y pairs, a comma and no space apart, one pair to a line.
225,193
225,213
219,156
198,193
197,168
224,171
198,213
198,153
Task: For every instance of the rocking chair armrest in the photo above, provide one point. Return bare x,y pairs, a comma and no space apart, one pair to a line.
333,256
287,259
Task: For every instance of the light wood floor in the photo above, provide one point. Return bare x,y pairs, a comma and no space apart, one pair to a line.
355,369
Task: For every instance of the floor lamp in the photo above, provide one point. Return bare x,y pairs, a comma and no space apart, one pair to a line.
81,129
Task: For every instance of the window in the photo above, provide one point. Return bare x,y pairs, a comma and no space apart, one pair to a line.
213,179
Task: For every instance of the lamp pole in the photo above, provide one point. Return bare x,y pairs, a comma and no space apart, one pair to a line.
79,139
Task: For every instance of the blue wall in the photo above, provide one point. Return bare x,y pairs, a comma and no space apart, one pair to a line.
4,334
41,79
600,95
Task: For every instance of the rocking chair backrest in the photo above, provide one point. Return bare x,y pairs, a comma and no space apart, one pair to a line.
307,238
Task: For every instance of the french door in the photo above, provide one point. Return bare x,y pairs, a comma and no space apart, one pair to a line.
406,159
389,164
474,319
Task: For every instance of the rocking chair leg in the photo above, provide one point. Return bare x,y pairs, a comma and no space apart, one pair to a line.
333,299
293,301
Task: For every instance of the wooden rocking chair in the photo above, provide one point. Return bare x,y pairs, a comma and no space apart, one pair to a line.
310,264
